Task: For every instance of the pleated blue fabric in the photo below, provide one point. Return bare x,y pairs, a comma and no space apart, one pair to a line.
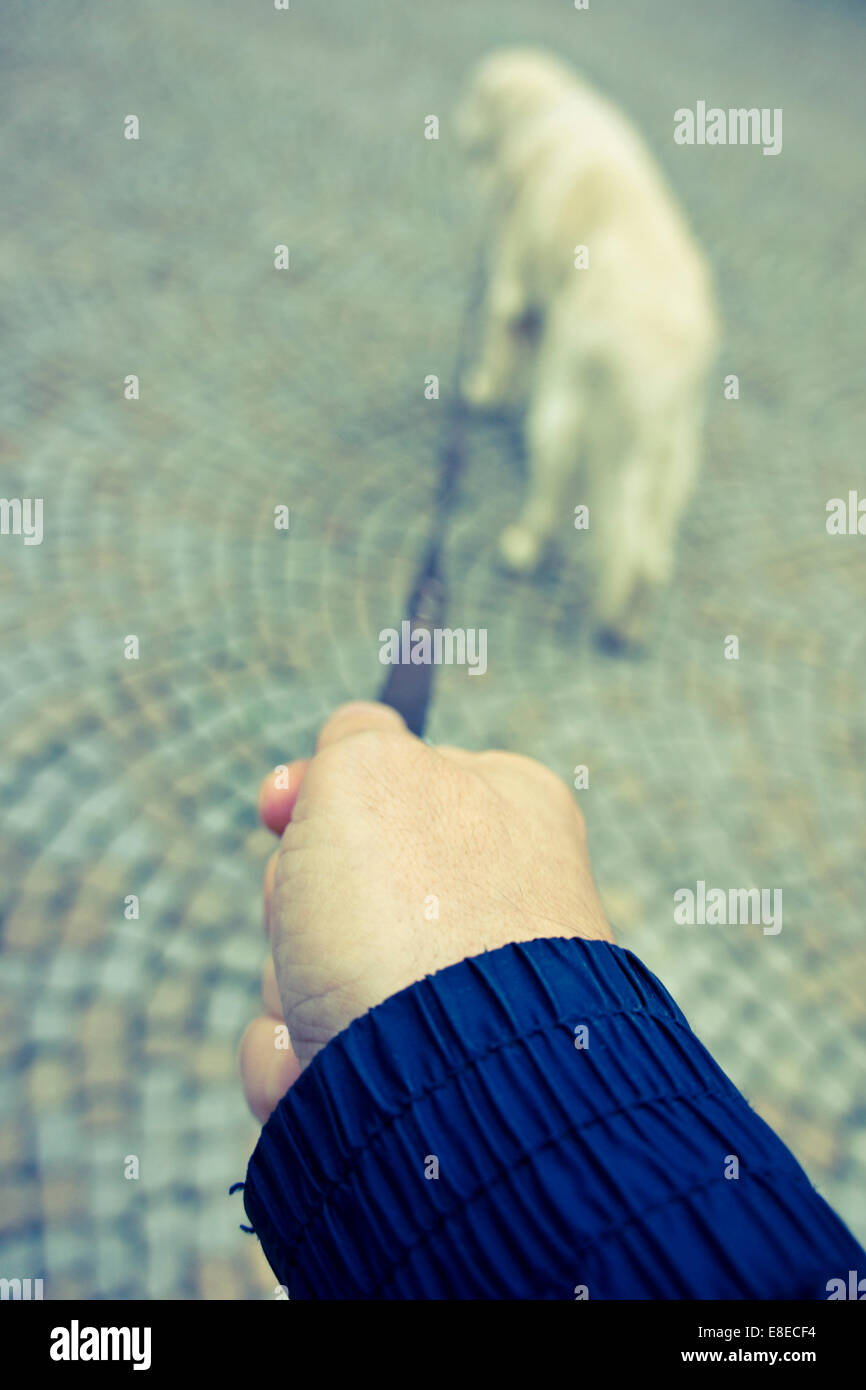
538,1122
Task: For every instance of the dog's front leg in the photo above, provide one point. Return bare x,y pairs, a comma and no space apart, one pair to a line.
554,443
506,335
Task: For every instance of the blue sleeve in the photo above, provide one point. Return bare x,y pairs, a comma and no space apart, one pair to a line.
538,1122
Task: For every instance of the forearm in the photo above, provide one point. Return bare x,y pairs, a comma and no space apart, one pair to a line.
537,1122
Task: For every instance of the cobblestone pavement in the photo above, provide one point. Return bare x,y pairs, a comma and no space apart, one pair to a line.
305,388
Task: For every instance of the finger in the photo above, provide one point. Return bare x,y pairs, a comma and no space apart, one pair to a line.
279,792
267,1071
270,991
498,767
502,763
359,717
521,777
454,755
268,889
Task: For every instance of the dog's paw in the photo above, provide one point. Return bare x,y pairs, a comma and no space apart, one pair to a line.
519,550
614,641
629,633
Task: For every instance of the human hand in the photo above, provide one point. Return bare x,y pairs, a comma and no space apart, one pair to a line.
397,859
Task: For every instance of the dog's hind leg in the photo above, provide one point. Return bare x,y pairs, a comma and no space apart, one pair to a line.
637,522
673,481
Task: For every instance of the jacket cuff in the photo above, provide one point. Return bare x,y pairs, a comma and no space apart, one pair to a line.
533,1122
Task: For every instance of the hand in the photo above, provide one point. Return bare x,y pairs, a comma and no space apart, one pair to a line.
397,859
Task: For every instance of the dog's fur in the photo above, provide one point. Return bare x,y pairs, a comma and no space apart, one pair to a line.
610,360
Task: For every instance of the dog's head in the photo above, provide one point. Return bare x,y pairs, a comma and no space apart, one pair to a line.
507,89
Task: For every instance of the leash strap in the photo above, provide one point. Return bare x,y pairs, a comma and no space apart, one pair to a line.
408,689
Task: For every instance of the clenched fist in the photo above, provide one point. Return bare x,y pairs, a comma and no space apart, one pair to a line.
395,860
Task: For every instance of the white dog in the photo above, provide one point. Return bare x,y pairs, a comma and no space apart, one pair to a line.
608,345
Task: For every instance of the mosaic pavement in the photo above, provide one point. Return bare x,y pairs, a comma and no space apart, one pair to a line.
258,388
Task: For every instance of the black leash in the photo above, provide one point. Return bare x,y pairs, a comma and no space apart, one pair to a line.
408,688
